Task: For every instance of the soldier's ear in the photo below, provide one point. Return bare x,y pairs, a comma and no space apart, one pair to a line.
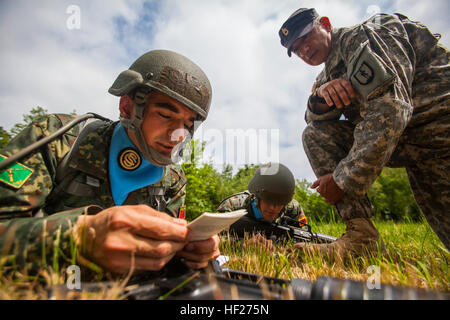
325,22
126,107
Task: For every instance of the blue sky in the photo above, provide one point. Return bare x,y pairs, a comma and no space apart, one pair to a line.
255,85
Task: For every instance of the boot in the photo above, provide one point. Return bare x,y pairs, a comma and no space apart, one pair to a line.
360,238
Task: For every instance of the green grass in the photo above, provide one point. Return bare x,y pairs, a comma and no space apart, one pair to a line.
415,257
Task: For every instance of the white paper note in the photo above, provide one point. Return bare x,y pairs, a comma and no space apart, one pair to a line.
209,224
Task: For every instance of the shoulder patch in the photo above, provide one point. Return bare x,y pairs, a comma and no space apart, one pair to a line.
15,175
367,73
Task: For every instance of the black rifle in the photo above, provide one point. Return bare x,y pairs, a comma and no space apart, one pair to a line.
178,282
229,284
55,135
287,228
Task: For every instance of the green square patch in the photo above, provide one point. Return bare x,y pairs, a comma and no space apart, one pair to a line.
15,175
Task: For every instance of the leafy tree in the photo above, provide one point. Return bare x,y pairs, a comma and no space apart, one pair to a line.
392,198
232,184
206,187
390,195
5,137
34,114
201,181
313,204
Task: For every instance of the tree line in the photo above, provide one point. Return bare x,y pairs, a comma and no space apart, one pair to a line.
207,186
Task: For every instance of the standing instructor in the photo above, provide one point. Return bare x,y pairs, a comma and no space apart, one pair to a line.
389,78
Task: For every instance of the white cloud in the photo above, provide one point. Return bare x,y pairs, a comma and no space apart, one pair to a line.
255,84
44,63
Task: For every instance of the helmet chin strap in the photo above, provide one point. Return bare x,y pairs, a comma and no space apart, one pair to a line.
134,124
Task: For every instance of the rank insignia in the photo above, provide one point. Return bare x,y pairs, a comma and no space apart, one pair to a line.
129,159
182,213
15,175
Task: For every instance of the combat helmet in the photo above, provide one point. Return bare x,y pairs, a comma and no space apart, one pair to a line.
273,183
172,74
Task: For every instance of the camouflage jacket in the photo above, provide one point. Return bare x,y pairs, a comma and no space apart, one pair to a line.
243,200
31,219
401,74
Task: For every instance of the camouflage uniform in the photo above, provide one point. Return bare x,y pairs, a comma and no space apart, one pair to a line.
400,117
33,222
244,200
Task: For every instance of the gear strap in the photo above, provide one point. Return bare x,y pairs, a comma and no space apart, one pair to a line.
157,198
66,177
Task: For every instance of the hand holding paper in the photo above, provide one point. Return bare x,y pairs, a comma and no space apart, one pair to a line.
209,224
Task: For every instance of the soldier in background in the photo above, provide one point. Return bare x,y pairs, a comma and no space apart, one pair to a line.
268,198
110,188
389,78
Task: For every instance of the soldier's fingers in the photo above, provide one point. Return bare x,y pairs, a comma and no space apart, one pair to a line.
144,209
319,190
335,97
196,265
145,263
327,97
122,262
198,257
315,184
204,246
156,249
318,184
201,251
348,87
160,229
343,93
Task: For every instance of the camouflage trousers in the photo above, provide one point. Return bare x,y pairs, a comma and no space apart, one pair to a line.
327,142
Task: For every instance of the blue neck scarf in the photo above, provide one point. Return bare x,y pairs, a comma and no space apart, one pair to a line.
122,181
256,211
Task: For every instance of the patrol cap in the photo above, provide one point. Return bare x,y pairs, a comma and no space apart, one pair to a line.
300,23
